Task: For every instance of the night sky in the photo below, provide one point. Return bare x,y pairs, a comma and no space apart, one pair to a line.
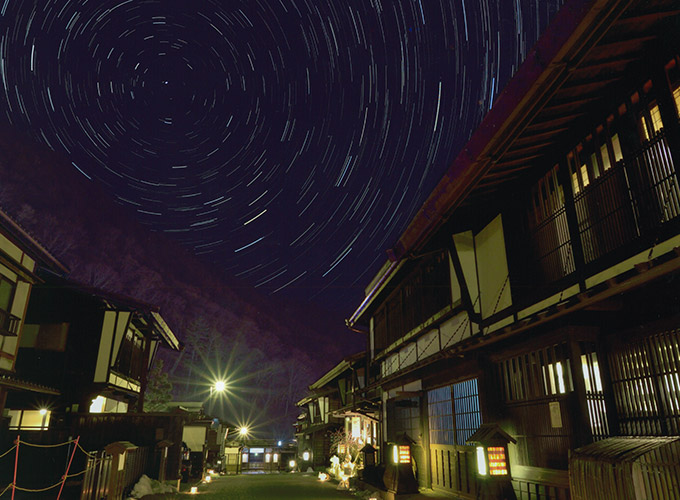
287,142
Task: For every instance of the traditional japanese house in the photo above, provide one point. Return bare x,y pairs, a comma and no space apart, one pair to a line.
20,255
331,408
95,347
537,287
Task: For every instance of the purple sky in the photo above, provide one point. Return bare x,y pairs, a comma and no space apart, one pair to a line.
286,142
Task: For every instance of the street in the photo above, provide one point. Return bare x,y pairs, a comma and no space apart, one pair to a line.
270,487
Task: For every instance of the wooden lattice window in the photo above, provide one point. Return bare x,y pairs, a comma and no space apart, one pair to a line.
646,382
544,372
454,412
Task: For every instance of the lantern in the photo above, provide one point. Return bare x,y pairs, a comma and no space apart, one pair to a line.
306,455
398,476
493,464
401,453
368,454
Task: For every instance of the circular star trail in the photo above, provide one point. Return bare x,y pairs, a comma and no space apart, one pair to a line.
287,142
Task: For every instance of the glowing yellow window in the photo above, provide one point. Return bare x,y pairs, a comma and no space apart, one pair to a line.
616,146
657,124
676,98
584,175
574,183
604,153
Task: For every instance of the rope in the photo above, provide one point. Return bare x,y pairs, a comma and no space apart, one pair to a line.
47,445
90,454
79,473
37,490
7,453
5,490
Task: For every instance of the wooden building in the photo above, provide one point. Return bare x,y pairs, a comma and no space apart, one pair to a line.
333,406
93,346
537,287
20,255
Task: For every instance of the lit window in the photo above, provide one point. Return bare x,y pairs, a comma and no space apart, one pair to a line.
604,153
107,405
356,428
592,381
596,168
31,420
584,175
97,405
553,377
616,146
574,183
657,124
672,383
676,98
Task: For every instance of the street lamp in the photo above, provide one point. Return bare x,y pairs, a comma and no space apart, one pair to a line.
243,431
218,386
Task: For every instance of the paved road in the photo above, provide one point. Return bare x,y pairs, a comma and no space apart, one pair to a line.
270,487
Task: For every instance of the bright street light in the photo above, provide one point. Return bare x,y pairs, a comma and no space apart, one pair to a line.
243,431
220,386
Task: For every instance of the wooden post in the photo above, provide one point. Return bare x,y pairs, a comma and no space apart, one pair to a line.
162,447
68,467
145,371
16,465
118,452
564,177
581,423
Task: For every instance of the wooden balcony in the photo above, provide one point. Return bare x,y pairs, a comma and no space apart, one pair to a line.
623,211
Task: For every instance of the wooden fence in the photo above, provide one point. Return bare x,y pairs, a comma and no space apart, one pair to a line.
112,473
453,469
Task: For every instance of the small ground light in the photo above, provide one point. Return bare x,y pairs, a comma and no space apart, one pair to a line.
208,479
292,464
43,411
194,490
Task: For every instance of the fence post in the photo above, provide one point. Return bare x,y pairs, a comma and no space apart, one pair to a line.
68,467
16,465
118,452
162,447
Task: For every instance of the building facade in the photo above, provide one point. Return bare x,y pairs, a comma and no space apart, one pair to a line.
20,255
93,346
537,287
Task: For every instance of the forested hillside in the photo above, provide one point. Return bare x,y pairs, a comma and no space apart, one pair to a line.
269,351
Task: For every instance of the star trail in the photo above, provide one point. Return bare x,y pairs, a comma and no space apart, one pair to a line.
286,142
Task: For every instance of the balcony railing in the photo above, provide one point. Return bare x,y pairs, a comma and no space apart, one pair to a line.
9,324
630,202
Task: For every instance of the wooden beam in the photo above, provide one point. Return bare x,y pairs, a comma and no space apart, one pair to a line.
542,136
